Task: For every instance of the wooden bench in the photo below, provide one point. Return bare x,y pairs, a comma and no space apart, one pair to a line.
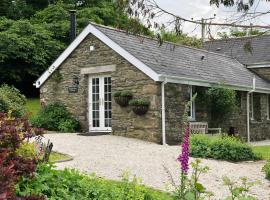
202,127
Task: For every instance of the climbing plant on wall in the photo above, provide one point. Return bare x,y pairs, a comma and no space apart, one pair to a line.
222,102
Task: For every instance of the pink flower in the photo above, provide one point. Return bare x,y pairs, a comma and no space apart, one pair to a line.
184,156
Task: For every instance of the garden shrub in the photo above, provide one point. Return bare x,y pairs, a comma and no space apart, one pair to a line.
200,146
68,125
27,150
266,169
220,148
55,117
12,100
13,131
71,184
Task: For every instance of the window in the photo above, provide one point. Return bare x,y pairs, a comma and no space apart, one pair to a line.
191,112
255,107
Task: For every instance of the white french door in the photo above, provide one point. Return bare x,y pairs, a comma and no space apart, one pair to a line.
100,104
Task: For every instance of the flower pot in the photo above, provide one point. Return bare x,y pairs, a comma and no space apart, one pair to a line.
140,109
122,101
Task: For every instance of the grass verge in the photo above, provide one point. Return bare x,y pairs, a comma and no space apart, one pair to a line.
33,106
264,151
58,157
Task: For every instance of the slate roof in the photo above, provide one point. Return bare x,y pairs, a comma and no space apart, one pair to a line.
182,61
235,47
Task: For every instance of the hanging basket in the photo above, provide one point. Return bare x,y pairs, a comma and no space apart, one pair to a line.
122,101
140,109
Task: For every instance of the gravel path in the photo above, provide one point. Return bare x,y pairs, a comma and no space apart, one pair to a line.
109,156
261,143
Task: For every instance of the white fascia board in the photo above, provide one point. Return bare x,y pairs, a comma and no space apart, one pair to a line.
91,29
62,58
203,83
258,66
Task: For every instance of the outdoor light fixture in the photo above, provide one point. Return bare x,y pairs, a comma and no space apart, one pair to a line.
92,48
75,85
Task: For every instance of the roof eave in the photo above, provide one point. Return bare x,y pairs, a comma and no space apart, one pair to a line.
204,83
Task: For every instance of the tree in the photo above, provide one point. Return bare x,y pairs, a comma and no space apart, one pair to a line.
4,6
55,18
239,33
25,51
149,11
180,39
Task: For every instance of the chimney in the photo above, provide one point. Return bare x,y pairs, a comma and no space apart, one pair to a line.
73,24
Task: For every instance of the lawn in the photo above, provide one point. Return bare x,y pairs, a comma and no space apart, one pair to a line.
56,156
264,151
33,106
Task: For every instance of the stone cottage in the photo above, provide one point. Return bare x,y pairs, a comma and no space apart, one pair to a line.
103,60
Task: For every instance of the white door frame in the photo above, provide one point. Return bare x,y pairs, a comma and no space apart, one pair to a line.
101,127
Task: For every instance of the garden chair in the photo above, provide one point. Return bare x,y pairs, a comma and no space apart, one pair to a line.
202,127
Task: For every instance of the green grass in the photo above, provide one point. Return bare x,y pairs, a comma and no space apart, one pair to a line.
264,151
33,106
55,156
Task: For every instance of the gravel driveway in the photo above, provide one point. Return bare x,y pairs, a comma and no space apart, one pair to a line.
109,156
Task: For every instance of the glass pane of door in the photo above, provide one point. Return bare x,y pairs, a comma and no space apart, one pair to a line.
95,102
107,102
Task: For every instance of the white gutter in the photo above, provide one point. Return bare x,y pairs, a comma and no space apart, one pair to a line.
259,65
248,120
204,83
163,112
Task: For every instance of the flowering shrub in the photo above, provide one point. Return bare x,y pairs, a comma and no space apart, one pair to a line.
13,131
184,156
190,188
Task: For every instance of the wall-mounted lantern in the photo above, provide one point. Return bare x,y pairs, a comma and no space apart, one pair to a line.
75,85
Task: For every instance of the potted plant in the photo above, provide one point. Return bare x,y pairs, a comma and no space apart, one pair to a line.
122,97
139,106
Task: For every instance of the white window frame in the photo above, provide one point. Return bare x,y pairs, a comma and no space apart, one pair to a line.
191,114
251,107
267,107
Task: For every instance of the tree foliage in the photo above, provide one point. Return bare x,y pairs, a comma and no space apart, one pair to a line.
180,39
33,33
240,4
25,49
239,33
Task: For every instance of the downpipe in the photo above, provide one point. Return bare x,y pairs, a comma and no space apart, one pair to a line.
248,108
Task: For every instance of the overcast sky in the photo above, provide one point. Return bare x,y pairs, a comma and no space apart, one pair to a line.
197,9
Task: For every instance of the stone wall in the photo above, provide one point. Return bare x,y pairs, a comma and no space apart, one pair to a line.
126,77
176,96
259,126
